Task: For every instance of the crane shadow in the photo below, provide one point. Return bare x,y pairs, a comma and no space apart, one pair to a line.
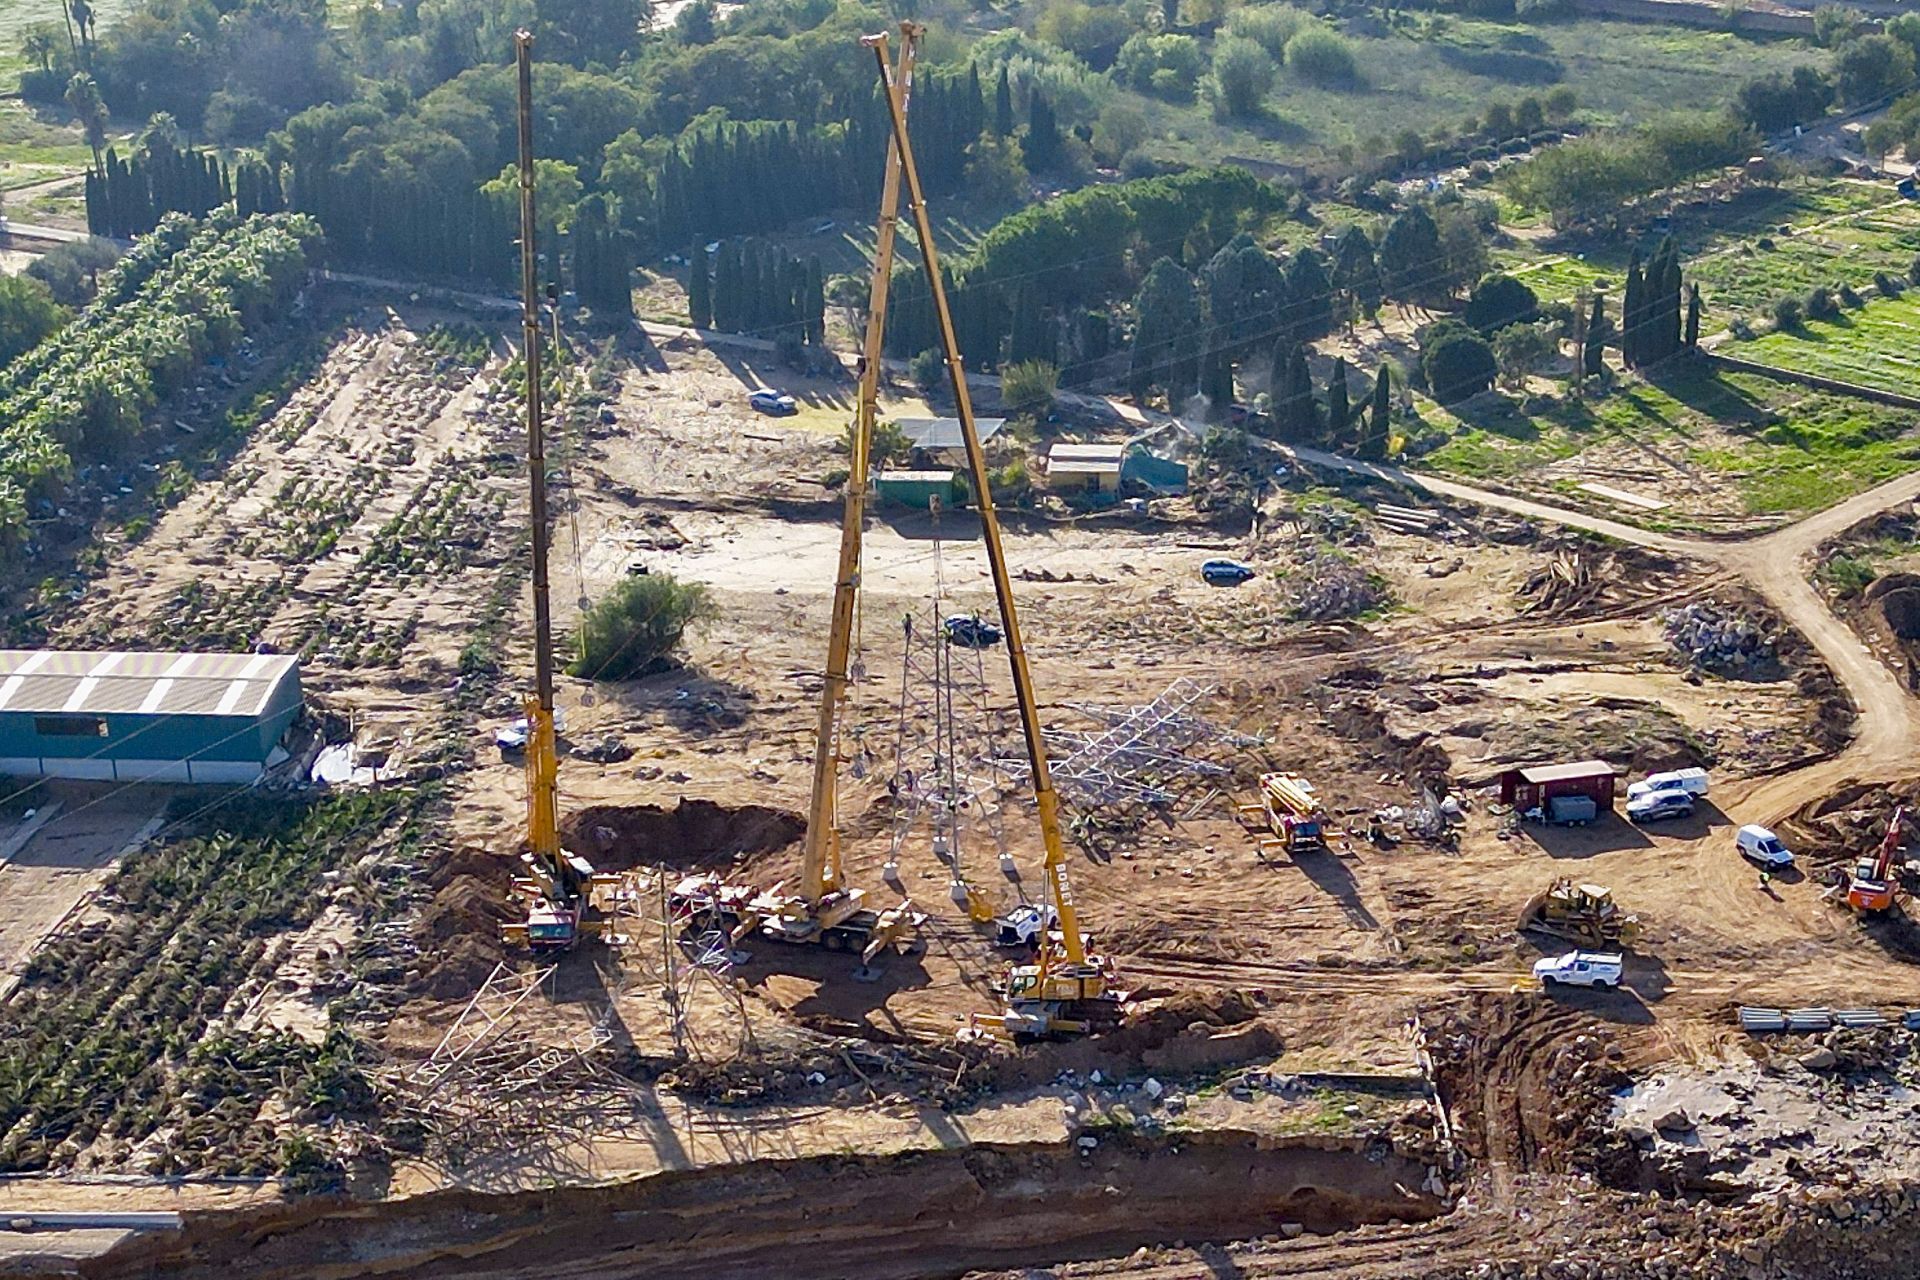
1331,875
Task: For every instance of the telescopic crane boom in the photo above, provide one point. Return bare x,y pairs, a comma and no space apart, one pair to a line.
559,887
827,911
1067,990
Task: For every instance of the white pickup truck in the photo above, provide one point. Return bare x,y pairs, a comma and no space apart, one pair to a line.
1580,969
1691,781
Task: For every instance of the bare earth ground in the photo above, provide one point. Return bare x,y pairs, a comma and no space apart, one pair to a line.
1334,955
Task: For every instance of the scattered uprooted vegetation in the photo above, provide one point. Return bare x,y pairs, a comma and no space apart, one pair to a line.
121,1041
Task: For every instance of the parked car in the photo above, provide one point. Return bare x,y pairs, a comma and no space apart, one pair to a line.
1653,806
1691,781
972,633
1226,573
1761,846
1580,969
777,403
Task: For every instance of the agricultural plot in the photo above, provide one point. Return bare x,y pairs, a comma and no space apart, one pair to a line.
1724,450
1446,68
1877,345
1744,250
326,539
148,990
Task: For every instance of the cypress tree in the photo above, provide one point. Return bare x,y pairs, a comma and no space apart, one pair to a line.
1043,133
699,289
726,289
1633,314
1339,412
1373,445
1672,327
1305,418
1593,357
1693,318
815,310
1216,384
1003,105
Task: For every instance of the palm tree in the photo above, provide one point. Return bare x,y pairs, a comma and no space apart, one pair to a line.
38,45
83,97
83,19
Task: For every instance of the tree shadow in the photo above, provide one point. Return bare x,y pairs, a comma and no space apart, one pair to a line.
828,385
1702,388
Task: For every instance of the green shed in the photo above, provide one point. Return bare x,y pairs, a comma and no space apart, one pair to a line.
144,717
918,489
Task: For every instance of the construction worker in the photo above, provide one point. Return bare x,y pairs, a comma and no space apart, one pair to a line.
1766,882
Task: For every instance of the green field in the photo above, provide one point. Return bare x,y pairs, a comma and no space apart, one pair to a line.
1442,68
18,15
1877,345
1785,450
1828,231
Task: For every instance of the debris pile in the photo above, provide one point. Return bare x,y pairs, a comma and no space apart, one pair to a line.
1326,587
1567,582
1717,637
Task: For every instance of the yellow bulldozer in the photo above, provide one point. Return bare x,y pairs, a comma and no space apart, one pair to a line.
1582,913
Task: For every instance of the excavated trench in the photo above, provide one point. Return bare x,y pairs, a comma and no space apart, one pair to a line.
902,1217
694,835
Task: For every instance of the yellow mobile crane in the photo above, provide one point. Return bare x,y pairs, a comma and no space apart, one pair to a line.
827,911
562,891
1066,990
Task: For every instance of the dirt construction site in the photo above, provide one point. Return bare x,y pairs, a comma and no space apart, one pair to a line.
1333,1061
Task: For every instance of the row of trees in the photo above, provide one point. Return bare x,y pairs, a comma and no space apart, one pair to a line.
185,293
1190,331
1591,176
127,198
750,287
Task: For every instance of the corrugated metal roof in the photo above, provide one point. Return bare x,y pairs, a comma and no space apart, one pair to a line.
1562,772
944,433
52,681
1087,459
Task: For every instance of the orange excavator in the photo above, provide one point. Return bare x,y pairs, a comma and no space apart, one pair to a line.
1873,887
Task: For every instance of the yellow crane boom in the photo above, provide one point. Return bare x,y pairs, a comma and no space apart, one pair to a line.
821,871
1052,995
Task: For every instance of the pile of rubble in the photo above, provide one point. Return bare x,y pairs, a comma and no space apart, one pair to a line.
1715,636
1326,587
1842,1231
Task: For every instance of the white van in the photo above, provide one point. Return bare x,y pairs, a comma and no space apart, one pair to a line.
1691,781
1580,969
1757,844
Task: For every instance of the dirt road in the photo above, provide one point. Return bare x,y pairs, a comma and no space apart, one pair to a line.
1887,738
52,861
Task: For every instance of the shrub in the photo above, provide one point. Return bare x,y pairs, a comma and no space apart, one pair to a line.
1168,65
1270,26
308,1167
1821,305
1457,365
1888,286
1847,575
928,370
1028,387
1786,314
1498,301
1322,56
1241,78
635,627
1850,297
1913,269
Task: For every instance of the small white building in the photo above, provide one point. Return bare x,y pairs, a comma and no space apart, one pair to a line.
1085,468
